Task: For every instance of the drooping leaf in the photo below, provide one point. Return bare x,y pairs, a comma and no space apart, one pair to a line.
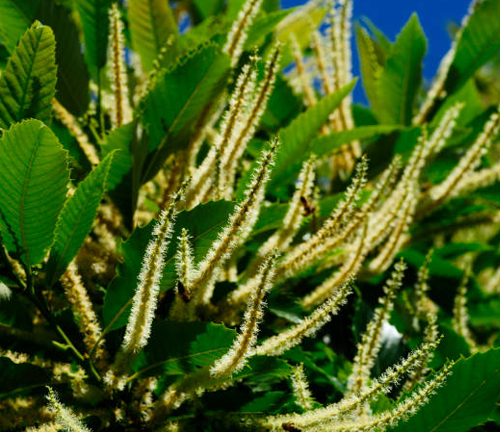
34,179
297,136
72,73
95,25
204,222
476,44
75,220
179,99
28,84
466,399
151,24
401,76
16,18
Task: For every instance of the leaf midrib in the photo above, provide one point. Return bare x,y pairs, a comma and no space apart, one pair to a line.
23,196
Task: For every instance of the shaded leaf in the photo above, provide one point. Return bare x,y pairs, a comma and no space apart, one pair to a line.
95,25
16,18
19,377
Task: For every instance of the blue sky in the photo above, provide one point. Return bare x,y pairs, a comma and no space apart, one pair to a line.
391,15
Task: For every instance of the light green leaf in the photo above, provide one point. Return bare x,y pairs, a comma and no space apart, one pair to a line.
95,25
204,223
28,84
400,78
151,24
477,43
262,27
370,65
119,139
324,145
34,178
16,16
75,220
466,399
297,136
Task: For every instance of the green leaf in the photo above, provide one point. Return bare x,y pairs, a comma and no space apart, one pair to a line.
179,99
466,399
16,18
204,223
477,43
369,65
72,73
119,139
324,145
75,220
16,378
262,27
34,178
400,79
151,24
28,84
179,348
208,8
296,137
95,25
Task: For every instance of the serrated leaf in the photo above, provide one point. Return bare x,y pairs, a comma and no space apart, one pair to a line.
204,223
477,43
119,139
75,220
401,76
16,18
179,98
151,24
296,137
28,84
34,178
72,73
466,399
95,25
369,65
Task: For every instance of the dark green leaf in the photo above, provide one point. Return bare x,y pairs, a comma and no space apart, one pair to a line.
16,16
16,378
95,24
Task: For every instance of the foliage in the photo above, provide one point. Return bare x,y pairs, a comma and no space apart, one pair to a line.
199,229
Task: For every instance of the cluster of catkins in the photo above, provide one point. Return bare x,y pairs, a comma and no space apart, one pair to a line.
368,232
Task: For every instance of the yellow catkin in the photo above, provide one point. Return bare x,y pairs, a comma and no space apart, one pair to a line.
83,309
64,415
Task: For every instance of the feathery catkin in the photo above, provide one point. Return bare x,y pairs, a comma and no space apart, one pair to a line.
371,340
240,224
242,347
287,339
